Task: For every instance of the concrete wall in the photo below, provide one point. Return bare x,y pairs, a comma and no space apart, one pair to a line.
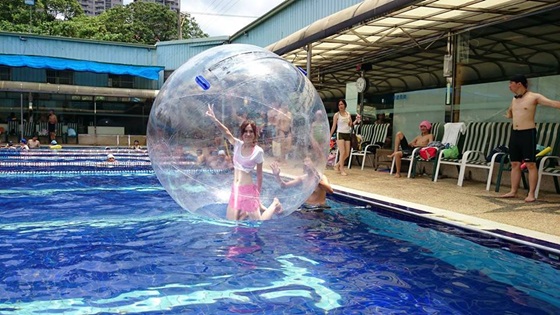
110,140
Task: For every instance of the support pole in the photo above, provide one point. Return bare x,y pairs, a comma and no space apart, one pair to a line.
94,116
21,116
309,57
449,65
361,95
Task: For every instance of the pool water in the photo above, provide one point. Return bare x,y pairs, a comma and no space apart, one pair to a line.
116,243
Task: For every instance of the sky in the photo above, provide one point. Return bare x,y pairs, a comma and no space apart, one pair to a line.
225,17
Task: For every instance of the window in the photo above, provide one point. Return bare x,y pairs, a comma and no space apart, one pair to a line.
5,73
121,81
166,74
60,77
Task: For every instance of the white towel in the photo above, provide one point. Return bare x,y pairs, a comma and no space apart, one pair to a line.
451,132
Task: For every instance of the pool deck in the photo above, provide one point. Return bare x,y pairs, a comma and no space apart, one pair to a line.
470,205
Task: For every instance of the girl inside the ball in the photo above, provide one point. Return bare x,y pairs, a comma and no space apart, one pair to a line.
247,154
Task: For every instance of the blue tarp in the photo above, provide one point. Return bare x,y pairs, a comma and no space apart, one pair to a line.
39,62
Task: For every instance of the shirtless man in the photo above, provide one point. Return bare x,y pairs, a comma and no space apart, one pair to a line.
52,125
318,199
136,145
284,131
271,123
34,143
406,147
522,144
200,158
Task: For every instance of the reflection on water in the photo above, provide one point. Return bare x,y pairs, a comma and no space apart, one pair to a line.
120,244
175,295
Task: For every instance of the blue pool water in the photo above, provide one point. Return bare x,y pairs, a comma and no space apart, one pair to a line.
115,243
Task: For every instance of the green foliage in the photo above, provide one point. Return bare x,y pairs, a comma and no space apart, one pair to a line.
63,9
137,22
15,15
190,28
159,23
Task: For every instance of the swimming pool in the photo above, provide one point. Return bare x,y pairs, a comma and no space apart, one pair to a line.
111,241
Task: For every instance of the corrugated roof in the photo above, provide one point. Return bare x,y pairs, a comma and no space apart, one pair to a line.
406,41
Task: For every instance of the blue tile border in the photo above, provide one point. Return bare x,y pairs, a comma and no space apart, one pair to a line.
523,245
526,238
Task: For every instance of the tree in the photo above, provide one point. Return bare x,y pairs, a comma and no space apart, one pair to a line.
147,23
137,22
190,28
153,22
117,23
63,9
16,16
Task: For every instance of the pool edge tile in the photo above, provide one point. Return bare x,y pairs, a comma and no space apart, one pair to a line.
521,235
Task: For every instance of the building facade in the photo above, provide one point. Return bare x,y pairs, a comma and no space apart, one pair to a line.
96,7
174,5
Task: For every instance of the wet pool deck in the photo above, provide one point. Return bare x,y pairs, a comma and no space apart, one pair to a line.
470,205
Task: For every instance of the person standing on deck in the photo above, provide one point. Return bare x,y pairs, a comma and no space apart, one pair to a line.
342,123
283,128
53,120
523,140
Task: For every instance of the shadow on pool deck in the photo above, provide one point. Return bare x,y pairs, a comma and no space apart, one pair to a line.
472,199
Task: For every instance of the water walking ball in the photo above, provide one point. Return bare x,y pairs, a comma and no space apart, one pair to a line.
191,157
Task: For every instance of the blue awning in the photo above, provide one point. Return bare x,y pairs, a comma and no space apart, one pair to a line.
40,62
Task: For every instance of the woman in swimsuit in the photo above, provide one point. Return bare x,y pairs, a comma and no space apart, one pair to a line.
247,154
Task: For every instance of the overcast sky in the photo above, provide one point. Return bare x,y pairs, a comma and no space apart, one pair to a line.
225,17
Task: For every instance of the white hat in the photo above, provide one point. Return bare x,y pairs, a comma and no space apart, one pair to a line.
110,156
221,152
54,142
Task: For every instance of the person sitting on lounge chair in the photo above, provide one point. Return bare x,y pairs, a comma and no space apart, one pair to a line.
406,147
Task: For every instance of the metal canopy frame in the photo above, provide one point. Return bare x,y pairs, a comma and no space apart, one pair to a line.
406,41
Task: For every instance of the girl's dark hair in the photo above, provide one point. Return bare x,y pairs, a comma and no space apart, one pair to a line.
253,125
343,101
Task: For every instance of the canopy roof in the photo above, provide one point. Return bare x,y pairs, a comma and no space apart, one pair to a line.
405,41
40,62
